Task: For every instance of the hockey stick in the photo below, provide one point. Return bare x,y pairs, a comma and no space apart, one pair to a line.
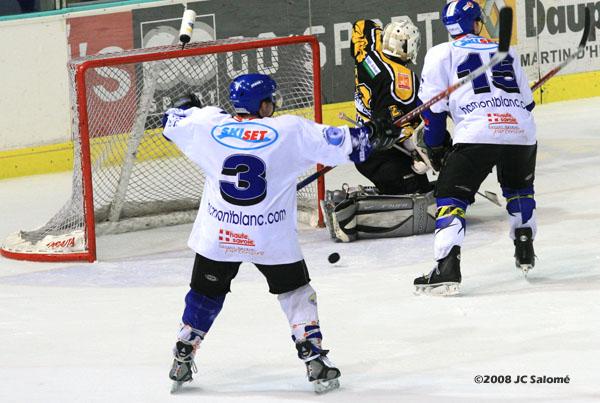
313,177
506,18
573,56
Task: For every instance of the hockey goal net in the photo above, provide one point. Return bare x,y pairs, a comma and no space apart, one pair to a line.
126,176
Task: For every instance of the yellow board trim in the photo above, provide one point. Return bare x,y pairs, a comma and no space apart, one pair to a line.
331,112
59,157
567,87
36,160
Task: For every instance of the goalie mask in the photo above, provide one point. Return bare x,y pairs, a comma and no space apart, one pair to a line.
402,39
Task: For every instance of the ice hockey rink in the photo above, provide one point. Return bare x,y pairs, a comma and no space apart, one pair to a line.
103,332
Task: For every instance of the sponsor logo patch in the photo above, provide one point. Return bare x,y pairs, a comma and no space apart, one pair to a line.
228,237
504,123
66,243
334,136
501,119
403,81
244,135
371,67
475,42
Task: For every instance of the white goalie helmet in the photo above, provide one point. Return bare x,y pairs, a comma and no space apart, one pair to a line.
402,39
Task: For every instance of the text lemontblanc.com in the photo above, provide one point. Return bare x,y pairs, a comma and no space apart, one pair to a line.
240,218
493,102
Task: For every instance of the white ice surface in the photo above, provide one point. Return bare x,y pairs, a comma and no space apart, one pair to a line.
103,332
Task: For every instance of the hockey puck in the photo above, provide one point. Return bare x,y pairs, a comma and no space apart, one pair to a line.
334,257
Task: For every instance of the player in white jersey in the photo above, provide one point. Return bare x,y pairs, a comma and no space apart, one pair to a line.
248,208
493,126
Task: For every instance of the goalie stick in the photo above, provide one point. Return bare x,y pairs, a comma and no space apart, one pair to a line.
573,56
506,18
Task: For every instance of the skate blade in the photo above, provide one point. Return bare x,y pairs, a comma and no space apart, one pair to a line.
323,386
441,290
176,386
525,269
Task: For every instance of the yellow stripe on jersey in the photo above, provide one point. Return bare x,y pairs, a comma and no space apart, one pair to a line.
359,41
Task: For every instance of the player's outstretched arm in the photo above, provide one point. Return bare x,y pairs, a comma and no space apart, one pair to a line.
384,134
374,135
181,104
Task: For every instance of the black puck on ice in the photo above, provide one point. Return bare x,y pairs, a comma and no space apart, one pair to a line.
334,257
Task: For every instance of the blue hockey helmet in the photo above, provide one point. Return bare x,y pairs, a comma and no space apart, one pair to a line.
459,16
247,91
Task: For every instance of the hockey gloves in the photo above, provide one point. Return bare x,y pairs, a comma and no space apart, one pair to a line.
384,134
437,155
186,102
361,144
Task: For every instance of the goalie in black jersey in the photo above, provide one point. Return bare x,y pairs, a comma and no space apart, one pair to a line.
386,86
401,204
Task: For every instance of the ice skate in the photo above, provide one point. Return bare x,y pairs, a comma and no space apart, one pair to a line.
444,279
524,254
320,371
183,365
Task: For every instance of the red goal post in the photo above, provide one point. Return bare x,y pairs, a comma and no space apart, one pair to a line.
126,176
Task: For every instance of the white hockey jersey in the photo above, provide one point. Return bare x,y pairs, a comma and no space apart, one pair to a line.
248,207
492,109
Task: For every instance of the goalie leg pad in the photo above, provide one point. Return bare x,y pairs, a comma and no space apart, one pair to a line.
450,225
383,216
344,220
332,198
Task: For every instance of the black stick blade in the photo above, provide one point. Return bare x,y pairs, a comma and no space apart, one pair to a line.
506,23
586,28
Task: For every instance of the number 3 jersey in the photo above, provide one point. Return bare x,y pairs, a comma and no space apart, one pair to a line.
248,207
493,108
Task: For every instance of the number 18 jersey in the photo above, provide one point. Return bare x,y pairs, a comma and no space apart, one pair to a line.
493,108
248,207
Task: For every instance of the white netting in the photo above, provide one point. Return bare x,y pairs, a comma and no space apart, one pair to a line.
140,180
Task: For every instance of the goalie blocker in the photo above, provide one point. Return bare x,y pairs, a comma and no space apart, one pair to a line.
361,213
